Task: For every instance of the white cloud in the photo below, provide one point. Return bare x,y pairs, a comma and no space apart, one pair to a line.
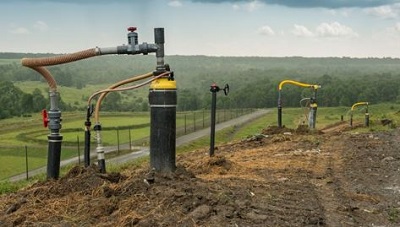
236,7
249,7
266,30
175,3
397,26
334,29
41,26
302,31
20,31
345,12
252,6
385,12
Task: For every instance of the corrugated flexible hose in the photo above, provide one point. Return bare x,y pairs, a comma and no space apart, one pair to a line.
38,63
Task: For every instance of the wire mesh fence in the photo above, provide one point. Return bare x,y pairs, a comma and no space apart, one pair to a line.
22,159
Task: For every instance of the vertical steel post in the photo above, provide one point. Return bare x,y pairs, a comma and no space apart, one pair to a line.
214,89
86,154
88,124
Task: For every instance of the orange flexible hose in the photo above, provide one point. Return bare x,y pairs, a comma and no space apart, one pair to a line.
56,60
47,76
38,63
103,95
114,88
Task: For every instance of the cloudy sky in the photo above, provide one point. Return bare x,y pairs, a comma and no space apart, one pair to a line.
311,28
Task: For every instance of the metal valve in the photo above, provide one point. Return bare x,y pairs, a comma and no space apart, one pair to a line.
45,118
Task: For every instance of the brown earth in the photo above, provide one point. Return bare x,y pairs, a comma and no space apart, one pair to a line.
278,178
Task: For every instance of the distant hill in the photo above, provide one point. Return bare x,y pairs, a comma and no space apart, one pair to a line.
253,80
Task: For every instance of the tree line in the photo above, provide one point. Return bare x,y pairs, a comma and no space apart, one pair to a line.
253,81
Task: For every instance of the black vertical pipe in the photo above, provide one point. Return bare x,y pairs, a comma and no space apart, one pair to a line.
162,129
279,110
213,113
86,152
214,89
54,138
54,156
162,100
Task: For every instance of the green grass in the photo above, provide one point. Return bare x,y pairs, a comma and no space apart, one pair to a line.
77,97
14,161
221,137
255,126
9,61
15,133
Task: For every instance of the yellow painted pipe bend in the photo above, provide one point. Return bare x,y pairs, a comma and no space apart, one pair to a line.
359,104
315,86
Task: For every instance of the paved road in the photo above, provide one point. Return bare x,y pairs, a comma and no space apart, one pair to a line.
142,151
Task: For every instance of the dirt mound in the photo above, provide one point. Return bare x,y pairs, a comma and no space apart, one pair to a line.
279,180
300,130
272,130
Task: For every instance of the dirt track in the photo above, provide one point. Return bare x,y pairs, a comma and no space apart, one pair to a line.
282,179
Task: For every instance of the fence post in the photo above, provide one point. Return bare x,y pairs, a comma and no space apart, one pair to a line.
118,141
79,151
203,117
130,140
26,162
194,121
185,123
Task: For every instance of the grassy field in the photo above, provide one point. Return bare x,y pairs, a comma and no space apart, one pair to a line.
292,117
9,61
14,160
122,128
78,97
16,133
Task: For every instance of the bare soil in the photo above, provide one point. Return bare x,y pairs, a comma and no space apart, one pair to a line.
280,178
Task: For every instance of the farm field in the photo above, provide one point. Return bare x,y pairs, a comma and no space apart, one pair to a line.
332,176
26,135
